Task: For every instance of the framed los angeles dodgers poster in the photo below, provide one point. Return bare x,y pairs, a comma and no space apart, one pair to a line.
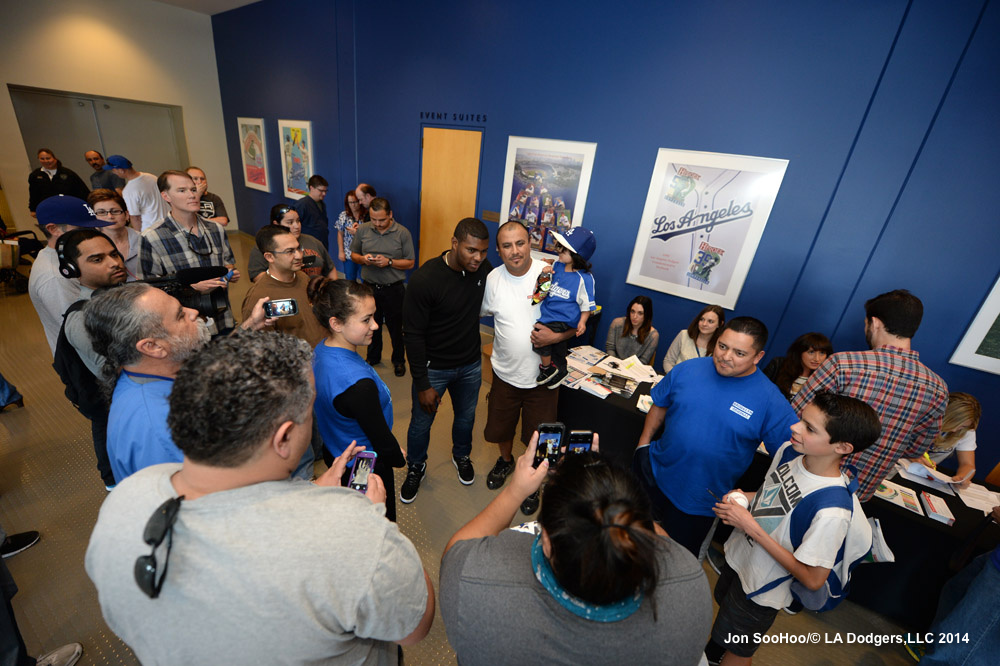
703,218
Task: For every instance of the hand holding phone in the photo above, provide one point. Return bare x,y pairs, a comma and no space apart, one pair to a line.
550,442
284,307
364,465
579,441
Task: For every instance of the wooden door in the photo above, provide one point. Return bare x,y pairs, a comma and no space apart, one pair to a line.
449,181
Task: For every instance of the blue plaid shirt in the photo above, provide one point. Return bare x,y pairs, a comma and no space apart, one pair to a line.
168,247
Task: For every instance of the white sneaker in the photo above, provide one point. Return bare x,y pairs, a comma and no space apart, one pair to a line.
67,655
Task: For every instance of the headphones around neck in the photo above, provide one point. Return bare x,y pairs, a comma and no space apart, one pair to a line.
67,267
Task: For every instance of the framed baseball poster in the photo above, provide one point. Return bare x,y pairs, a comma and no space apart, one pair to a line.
545,185
253,153
980,346
296,156
703,218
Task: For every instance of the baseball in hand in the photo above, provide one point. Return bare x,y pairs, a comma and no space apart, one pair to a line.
737,497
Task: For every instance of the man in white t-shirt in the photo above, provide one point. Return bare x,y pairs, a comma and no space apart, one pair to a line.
50,292
252,578
145,205
513,392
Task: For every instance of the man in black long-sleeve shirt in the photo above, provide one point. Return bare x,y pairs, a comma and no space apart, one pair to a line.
441,333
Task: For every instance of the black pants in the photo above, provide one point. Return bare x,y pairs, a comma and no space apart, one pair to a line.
388,313
99,432
12,649
686,529
559,350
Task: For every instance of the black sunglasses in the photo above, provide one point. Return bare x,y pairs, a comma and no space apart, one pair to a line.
160,526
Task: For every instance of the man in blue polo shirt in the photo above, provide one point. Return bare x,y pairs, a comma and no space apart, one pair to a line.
716,412
146,335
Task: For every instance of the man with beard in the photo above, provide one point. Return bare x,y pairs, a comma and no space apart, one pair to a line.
144,335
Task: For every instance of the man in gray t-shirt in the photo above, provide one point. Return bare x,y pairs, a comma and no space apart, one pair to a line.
384,249
253,577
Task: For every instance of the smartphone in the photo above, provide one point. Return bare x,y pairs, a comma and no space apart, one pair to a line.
579,441
550,440
364,463
284,307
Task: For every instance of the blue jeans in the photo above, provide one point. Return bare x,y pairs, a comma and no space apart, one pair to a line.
463,385
351,270
968,608
8,393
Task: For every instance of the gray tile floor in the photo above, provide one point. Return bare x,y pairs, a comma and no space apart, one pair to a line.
48,482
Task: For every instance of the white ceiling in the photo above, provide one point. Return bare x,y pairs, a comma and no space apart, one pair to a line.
208,6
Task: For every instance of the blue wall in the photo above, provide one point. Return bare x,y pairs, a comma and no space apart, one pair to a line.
884,111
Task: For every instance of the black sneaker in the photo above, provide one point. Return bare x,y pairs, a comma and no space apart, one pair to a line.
545,373
465,472
557,378
15,543
414,474
530,505
499,473
399,369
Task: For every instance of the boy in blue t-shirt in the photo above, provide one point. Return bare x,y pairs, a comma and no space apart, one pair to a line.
568,302
761,560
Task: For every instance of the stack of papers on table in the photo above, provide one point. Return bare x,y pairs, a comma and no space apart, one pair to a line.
979,497
594,388
587,354
917,476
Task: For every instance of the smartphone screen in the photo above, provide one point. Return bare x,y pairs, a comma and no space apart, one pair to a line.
285,307
550,439
579,441
364,463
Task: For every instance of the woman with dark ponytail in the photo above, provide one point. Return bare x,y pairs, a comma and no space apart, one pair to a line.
347,388
594,581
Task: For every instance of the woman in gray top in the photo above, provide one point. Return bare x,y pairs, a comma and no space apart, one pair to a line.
634,334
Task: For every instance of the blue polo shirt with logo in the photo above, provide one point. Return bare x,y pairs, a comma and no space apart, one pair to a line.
713,425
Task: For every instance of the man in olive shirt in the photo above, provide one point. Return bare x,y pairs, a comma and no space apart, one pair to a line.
384,249
284,279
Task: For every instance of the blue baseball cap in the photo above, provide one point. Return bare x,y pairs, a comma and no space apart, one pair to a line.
578,240
117,162
62,209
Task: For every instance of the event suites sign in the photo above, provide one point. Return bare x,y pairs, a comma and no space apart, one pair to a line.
704,216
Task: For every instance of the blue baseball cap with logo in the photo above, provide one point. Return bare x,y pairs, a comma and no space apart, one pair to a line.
578,240
62,209
117,162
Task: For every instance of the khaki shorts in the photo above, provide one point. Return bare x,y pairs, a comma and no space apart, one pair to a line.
505,404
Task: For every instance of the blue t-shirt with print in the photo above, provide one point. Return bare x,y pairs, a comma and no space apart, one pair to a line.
713,425
569,294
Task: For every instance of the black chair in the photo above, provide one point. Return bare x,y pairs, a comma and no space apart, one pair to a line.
28,245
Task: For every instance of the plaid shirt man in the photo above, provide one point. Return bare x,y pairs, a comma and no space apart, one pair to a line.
909,398
168,247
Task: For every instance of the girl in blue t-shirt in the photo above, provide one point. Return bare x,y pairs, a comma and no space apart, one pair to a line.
568,302
346,386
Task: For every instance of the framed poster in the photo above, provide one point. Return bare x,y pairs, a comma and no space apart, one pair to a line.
980,346
545,185
295,137
704,216
253,153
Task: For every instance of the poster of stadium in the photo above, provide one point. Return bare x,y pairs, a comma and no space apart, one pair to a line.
253,153
297,157
703,218
980,346
545,186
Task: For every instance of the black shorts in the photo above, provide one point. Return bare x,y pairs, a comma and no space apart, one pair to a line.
739,616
